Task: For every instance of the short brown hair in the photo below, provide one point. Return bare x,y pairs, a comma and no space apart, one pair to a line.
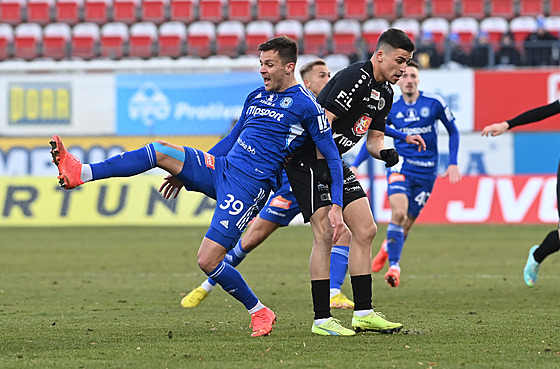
286,47
412,63
309,66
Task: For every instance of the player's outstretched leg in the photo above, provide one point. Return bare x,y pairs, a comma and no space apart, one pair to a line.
195,297
69,166
376,322
531,270
393,276
381,258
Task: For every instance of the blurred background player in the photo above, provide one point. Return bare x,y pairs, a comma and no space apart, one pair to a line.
551,242
278,212
410,183
239,179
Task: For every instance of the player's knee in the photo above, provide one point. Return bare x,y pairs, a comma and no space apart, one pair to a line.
206,263
399,217
345,237
366,233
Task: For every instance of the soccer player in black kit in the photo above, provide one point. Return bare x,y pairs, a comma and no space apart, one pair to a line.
357,101
551,242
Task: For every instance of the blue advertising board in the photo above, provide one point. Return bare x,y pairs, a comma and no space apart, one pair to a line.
182,104
536,152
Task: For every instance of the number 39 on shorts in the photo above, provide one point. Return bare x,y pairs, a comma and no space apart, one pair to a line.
235,205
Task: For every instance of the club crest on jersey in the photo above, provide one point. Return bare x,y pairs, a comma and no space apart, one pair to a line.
381,104
396,177
361,126
286,102
280,202
375,94
209,160
270,99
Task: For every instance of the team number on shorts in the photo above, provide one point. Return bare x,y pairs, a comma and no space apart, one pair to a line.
235,205
422,198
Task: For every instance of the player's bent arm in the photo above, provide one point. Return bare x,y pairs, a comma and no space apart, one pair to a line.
494,129
375,143
535,115
327,148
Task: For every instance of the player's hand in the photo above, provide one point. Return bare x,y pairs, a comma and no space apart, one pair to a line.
335,216
170,187
453,173
389,156
416,140
495,129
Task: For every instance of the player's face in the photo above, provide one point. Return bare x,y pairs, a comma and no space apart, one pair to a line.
317,78
276,75
392,63
409,81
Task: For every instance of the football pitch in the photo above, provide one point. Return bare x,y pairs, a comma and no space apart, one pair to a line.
109,298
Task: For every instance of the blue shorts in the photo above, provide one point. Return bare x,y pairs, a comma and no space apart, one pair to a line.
417,190
238,197
282,206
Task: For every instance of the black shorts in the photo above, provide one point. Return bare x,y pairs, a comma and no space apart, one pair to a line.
310,182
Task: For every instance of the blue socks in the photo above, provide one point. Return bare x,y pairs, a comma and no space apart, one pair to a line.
126,164
395,241
233,283
339,266
233,258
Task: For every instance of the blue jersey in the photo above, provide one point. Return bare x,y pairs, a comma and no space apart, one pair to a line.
420,118
271,126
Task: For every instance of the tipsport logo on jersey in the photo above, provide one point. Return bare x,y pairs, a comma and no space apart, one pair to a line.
188,104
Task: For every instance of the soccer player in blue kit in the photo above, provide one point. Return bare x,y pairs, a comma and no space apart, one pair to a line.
239,171
551,242
410,183
278,212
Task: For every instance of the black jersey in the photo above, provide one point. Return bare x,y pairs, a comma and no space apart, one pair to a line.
359,102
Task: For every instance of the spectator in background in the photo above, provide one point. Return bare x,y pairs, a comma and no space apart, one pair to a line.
481,52
538,45
456,50
427,53
507,54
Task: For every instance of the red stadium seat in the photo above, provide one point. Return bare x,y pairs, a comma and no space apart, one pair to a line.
27,39
385,9
126,11
172,39
531,7
182,10
502,8
409,25
11,11
472,8
345,36
554,8
466,28
521,27
298,9
39,11
371,30
291,28
269,10
200,38
211,10
438,28
356,9
552,25
6,40
256,33
68,11
114,39
85,40
229,38
413,9
317,36
241,10
154,11
337,61
56,40
141,39
443,8
97,11
327,9
495,27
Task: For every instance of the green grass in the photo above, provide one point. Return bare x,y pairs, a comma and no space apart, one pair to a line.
109,298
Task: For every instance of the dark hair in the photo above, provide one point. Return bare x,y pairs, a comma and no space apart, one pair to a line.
412,63
395,38
286,47
309,66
